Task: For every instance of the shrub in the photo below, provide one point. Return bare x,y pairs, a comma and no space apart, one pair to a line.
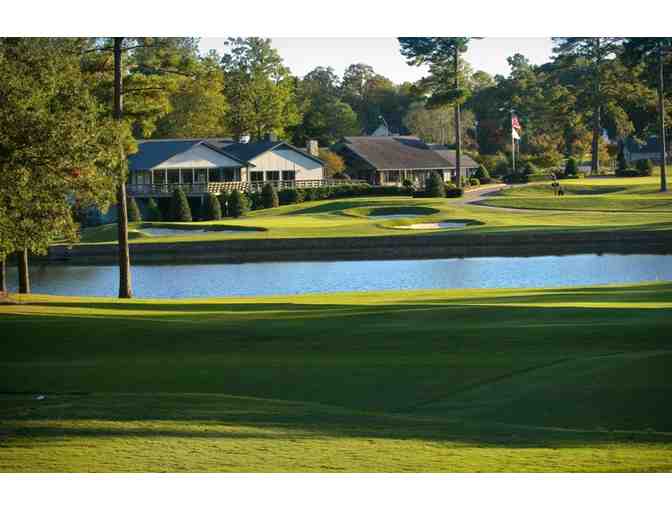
255,200
153,213
309,194
435,186
502,168
238,204
474,182
290,196
644,167
269,197
213,209
621,164
482,175
571,168
224,203
529,168
179,206
132,210
454,192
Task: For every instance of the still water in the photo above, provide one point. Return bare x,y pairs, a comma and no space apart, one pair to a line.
268,278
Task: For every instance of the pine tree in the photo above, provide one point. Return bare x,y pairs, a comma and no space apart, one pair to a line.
179,206
224,197
134,214
435,186
213,209
153,211
269,197
238,204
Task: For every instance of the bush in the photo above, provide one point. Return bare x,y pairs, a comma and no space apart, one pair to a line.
269,197
482,175
153,212
453,191
224,203
571,168
474,182
621,164
628,173
238,204
179,206
132,210
529,168
502,168
644,167
255,200
213,209
290,196
435,186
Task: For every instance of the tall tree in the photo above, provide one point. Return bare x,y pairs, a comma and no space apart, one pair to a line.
654,51
593,53
55,149
259,89
326,118
443,56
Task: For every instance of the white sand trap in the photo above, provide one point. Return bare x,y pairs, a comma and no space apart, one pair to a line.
434,226
183,232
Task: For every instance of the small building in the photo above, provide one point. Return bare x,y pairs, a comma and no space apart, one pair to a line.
391,160
201,166
635,151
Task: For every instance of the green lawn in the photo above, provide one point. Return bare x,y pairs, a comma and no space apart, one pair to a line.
590,204
572,379
609,195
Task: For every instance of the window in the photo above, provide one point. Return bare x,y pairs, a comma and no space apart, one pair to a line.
202,175
187,176
159,177
230,175
273,176
256,176
173,176
289,175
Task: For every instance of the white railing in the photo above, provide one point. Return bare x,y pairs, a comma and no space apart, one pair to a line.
219,187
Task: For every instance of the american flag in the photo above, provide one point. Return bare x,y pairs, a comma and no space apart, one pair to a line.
514,123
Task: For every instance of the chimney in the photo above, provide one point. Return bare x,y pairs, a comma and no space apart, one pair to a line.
244,139
313,148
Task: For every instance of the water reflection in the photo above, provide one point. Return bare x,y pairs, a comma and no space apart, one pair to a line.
269,278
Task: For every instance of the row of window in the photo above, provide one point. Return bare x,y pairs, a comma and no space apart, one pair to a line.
203,175
272,175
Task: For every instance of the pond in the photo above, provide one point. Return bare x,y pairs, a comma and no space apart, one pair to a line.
273,278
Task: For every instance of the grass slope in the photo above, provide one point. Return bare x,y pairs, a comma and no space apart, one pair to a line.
624,195
590,205
573,379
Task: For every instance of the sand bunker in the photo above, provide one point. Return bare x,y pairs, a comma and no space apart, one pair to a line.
434,226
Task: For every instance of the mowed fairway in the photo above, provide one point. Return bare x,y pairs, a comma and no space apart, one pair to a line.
593,204
573,379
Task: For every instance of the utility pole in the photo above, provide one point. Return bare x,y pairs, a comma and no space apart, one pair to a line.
122,214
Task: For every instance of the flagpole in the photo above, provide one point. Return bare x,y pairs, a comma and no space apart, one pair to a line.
513,144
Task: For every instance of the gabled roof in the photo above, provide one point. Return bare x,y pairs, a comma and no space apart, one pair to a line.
153,152
395,152
252,150
450,155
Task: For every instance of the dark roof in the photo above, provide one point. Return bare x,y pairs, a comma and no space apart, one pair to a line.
152,152
394,152
451,156
249,151
651,144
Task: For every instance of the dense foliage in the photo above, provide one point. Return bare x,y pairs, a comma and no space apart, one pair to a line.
213,209
238,204
179,206
133,210
269,197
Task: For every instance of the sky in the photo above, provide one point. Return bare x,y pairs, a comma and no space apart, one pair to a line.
302,54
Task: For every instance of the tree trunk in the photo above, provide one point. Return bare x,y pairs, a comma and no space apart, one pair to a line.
122,216
24,276
458,127
595,160
661,114
3,275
